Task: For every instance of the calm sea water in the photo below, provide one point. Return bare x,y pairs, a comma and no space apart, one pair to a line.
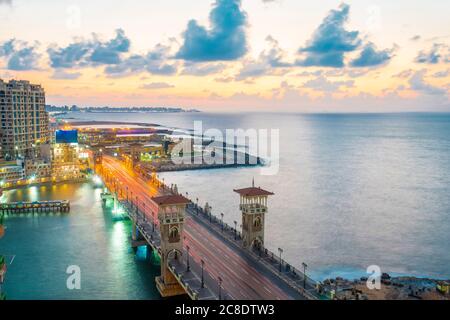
352,191
44,247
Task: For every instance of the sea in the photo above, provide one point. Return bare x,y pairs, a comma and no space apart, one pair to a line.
351,191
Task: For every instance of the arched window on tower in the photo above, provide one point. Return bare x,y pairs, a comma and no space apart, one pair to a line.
174,235
257,223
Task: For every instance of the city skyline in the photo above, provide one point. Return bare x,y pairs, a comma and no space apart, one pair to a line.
362,56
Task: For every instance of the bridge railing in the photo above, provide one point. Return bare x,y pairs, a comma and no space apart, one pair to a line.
293,276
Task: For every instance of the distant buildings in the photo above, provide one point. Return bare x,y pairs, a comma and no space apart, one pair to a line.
74,108
24,121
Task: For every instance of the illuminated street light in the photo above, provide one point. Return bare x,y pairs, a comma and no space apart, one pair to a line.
280,251
188,266
220,288
203,265
304,274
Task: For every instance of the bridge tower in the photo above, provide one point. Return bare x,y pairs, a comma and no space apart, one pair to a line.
135,153
171,216
97,155
253,205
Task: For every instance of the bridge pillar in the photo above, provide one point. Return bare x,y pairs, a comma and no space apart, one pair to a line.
171,215
149,252
134,231
253,205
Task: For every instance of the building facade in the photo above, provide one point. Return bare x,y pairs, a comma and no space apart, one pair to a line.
66,164
11,172
24,121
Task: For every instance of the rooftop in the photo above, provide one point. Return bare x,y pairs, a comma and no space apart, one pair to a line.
253,192
170,200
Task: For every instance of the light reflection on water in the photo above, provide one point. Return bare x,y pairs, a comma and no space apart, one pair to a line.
44,246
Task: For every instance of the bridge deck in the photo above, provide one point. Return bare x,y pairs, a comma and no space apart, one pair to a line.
190,280
244,276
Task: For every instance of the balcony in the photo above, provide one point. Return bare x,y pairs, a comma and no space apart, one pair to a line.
253,208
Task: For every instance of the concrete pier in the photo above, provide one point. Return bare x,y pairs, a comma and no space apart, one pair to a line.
43,207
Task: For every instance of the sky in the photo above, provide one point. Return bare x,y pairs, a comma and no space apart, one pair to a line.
232,55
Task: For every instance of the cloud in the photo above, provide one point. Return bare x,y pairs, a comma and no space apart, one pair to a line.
371,57
90,53
157,85
267,63
442,74
7,48
225,40
224,79
330,41
438,53
201,69
109,53
418,83
20,55
93,52
61,74
71,56
321,83
154,62
405,74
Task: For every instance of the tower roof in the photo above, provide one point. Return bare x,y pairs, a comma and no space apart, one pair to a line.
253,191
170,200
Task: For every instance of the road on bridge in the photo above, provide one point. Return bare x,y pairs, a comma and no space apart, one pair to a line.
242,280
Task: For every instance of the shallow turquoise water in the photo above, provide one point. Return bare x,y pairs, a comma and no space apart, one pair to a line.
44,246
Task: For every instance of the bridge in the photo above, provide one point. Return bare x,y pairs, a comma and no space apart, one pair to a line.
201,256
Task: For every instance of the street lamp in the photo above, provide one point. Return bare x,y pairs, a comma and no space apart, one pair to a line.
304,274
220,288
143,209
221,222
235,231
203,265
188,266
137,205
210,214
280,251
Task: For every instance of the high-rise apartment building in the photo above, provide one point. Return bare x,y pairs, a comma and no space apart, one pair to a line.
24,121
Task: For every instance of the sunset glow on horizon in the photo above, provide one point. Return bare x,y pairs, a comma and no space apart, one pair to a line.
232,55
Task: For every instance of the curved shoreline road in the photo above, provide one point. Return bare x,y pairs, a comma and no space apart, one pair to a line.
241,279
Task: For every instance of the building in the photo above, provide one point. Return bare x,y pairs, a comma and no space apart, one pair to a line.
24,121
37,169
10,172
66,164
